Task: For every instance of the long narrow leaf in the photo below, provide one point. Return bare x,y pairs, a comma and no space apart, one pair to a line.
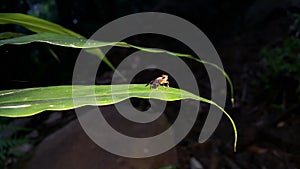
39,25
70,41
56,39
27,102
35,24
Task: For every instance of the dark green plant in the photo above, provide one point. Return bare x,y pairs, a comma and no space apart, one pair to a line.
7,143
281,73
283,59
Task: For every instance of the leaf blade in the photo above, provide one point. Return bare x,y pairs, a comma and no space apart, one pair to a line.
56,39
35,24
60,97
31,101
39,25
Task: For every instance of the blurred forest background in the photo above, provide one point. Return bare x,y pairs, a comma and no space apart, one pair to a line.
258,43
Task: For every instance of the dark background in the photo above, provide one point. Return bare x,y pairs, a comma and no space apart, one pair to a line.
257,42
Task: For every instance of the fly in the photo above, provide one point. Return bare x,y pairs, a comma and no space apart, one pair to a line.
160,81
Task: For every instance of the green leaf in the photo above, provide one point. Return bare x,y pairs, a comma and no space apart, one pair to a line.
40,25
69,41
35,24
56,39
30,101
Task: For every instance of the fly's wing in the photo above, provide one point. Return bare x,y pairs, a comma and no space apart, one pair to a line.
149,83
155,83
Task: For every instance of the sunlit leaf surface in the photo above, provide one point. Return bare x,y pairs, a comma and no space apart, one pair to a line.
30,101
